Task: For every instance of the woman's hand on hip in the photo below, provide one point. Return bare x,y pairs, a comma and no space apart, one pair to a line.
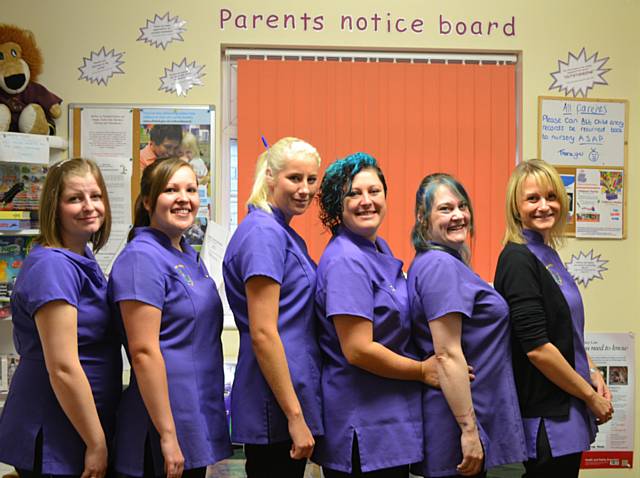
303,441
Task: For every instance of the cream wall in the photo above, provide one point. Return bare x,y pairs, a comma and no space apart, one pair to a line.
545,31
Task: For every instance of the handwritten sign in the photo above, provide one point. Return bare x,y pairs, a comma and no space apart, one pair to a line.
24,148
582,132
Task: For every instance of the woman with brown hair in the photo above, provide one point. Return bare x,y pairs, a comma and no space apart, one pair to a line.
60,412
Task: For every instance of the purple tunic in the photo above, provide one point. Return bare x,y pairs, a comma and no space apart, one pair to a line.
47,275
575,433
264,245
357,277
150,270
439,284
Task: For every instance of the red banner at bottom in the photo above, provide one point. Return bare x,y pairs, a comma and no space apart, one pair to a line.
607,459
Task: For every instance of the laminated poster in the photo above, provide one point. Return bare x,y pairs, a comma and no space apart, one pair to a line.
599,203
614,355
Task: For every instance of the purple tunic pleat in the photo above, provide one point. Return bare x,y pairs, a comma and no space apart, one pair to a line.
359,278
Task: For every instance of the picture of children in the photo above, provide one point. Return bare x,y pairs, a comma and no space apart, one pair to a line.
190,152
618,376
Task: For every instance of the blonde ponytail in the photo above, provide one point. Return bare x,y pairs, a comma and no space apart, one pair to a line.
260,190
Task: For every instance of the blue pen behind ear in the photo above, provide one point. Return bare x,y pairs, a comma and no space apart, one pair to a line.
264,141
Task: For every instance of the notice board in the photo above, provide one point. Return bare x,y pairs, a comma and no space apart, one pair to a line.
587,141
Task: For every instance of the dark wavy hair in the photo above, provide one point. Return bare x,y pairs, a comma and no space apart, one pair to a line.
336,184
420,236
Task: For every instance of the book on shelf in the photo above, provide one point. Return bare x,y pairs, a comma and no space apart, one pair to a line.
13,251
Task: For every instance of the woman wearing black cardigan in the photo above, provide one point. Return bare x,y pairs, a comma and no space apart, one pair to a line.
562,395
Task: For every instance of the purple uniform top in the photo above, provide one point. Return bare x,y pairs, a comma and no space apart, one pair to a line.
439,284
359,278
150,270
264,245
575,433
47,275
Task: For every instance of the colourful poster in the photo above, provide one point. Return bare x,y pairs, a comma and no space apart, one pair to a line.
614,355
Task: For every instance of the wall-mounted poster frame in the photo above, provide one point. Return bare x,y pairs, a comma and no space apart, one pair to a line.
124,138
587,141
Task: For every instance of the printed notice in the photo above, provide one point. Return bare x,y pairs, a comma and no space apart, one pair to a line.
162,30
615,357
586,267
212,253
599,203
579,74
181,77
106,133
99,67
117,176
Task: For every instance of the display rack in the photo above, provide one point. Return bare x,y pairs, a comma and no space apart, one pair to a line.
28,157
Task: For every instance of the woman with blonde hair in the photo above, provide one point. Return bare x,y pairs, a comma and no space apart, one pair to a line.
59,416
560,389
270,283
172,418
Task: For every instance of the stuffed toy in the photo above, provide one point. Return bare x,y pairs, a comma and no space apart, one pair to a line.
25,106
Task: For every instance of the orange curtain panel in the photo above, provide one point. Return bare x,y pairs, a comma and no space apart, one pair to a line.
414,118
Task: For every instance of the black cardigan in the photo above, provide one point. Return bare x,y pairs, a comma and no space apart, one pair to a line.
539,314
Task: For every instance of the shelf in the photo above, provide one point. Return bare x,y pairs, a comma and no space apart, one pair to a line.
21,232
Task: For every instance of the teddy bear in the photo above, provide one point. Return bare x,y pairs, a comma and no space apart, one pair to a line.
25,106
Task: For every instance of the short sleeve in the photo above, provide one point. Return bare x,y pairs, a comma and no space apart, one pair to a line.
52,277
517,280
441,287
262,253
137,275
349,288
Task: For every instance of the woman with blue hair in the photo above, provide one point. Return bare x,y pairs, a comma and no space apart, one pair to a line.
370,386
468,427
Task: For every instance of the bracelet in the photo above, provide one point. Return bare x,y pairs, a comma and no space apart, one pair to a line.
593,370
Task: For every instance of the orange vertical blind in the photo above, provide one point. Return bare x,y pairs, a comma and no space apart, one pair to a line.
414,118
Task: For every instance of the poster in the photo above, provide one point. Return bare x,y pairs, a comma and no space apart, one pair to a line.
582,133
185,133
614,354
599,203
569,181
